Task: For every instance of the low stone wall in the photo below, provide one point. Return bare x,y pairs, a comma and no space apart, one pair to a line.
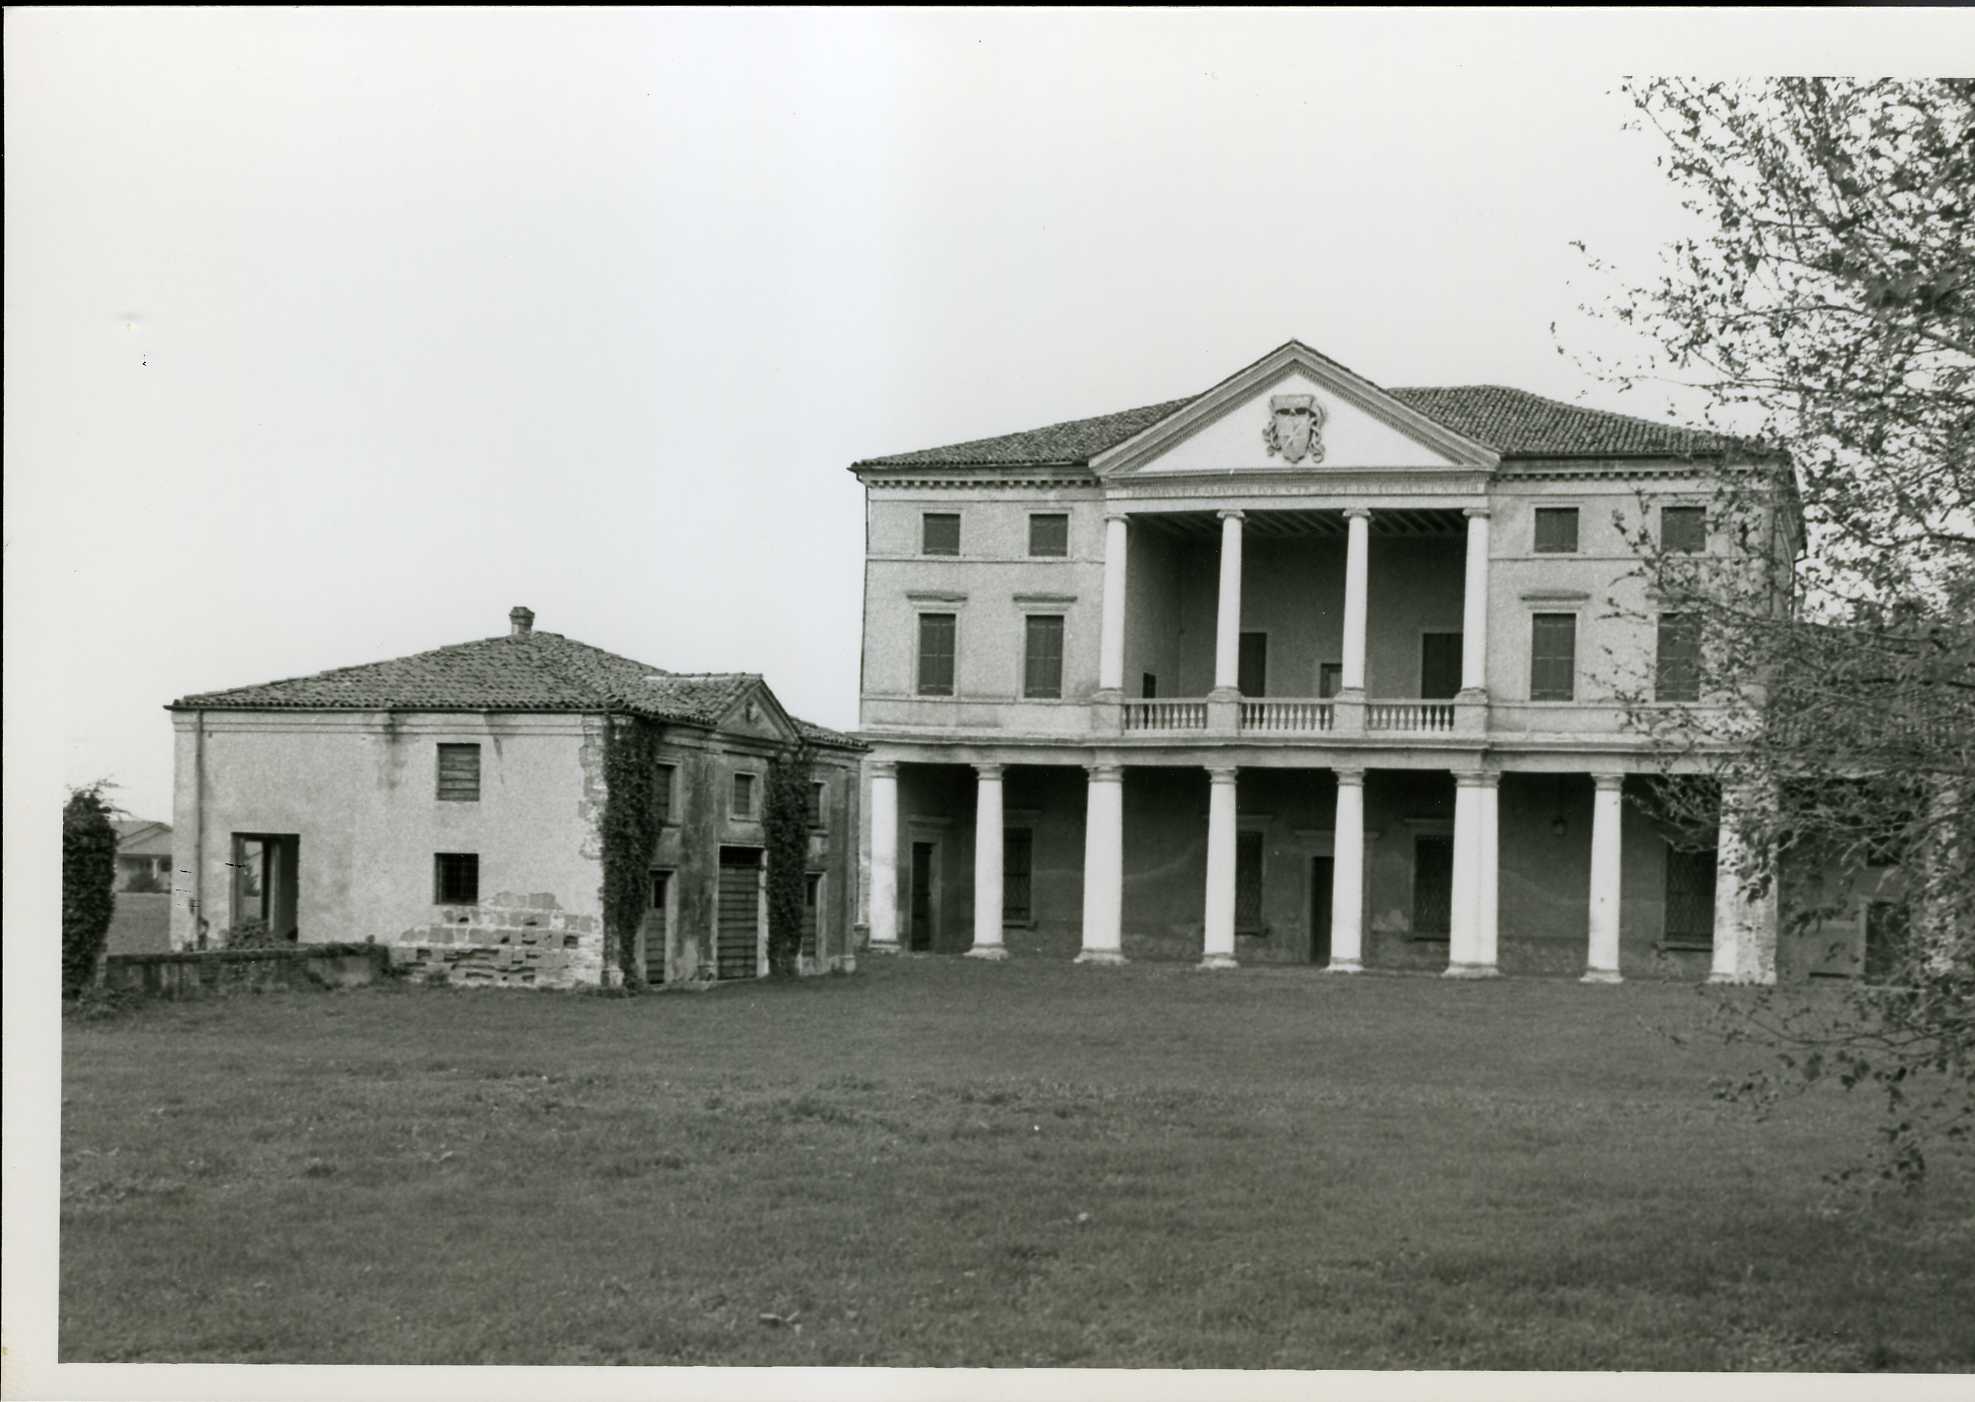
510,941
189,972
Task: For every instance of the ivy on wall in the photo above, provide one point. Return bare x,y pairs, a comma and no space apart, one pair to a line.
785,823
632,818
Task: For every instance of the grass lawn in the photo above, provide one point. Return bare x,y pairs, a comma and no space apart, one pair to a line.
938,1161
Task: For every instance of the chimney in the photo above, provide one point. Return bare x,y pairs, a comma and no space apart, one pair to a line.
521,621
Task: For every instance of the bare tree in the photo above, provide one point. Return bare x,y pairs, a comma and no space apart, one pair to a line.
1816,655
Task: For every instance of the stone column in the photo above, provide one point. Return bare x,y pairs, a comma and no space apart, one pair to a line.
987,864
1111,649
1357,567
1227,622
1474,606
1218,952
1744,923
1104,867
1347,867
1471,949
884,856
1607,809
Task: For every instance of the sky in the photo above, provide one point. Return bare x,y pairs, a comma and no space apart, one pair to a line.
334,334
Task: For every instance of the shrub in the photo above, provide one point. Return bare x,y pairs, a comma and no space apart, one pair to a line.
89,877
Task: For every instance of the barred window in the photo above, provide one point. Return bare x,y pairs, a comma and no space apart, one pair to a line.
936,654
1553,657
743,796
1556,530
940,533
455,878
1049,535
459,773
1042,676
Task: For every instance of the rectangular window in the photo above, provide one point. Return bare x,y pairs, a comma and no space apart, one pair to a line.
455,878
459,773
812,910
666,776
1683,529
819,793
743,796
1248,882
1148,686
1330,679
1433,886
1049,535
936,654
1017,885
1689,899
1042,675
1552,656
1251,674
1556,530
940,533
1677,676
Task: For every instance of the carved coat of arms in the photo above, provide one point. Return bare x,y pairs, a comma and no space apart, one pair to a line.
1295,431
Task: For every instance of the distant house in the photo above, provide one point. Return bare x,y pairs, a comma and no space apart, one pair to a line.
143,855
449,804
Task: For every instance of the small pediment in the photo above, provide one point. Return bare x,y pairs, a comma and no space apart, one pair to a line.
1293,411
756,713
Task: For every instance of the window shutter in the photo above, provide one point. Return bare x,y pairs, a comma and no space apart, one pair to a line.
1043,676
1049,535
1553,657
1678,676
936,654
940,533
1556,530
459,773
1683,529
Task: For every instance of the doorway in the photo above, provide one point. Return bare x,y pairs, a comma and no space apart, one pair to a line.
923,905
657,926
267,869
1322,870
1440,666
737,931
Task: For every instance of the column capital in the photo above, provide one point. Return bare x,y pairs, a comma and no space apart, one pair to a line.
1105,772
883,768
1350,774
1222,773
1123,518
1478,778
988,771
1608,783
1357,513
1232,515
1475,513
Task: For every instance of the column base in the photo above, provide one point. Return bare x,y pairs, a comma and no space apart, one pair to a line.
1219,961
1099,956
882,947
1601,976
988,951
1749,980
1344,966
1472,971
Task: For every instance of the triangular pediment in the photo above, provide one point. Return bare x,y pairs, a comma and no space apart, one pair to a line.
1293,411
755,712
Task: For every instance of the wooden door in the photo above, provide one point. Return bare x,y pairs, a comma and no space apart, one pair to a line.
1321,874
1248,882
920,933
738,930
1433,885
1252,665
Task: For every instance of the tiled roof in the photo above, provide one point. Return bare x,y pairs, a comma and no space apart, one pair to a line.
1514,422
139,835
536,673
